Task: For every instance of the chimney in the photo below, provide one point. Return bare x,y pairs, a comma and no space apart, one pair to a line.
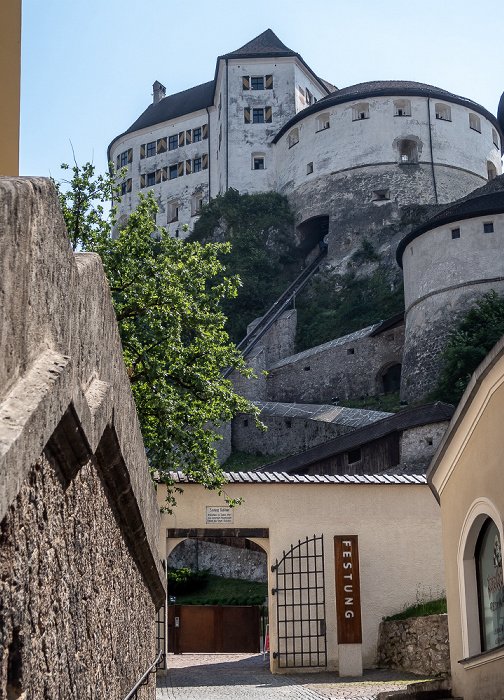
159,91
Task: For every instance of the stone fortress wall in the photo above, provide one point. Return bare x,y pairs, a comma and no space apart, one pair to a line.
79,521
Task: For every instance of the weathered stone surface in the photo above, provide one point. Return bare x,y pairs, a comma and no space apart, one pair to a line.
419,645
76,619
230,562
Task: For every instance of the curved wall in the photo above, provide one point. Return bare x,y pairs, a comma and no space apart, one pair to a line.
443,277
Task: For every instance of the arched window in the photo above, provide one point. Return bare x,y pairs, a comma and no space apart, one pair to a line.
360,111
408,151
402,108
293,137
323,122
491,170
443,112
490,585
474,122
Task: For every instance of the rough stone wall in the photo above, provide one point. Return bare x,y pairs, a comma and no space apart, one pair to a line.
222,560
284,435
418,445
347,367
279,340
419,645
75,616
252,389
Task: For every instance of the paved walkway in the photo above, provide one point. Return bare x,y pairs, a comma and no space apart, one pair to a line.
247,677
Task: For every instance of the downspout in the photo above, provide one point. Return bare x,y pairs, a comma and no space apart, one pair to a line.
227,125
209,158
431,151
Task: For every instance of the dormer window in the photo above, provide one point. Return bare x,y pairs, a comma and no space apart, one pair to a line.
443,112
323,122
402,108
360,111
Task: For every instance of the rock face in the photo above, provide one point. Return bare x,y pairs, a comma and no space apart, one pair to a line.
80,576
419,645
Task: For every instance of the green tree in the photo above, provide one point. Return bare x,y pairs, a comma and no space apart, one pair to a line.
479,330
168,297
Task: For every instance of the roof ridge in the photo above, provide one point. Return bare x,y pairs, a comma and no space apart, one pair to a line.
266,42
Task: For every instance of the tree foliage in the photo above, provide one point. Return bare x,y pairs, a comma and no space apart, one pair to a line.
263,254
168,297
479,330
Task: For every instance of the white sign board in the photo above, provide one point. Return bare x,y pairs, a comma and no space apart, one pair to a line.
218,514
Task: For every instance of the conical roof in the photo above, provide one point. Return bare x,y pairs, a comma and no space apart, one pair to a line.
500,112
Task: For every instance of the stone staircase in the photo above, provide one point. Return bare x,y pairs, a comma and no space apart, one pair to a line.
427,690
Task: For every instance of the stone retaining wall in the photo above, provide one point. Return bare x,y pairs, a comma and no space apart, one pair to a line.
419,645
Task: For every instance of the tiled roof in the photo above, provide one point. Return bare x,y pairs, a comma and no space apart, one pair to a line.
327,413
420,415
484,201
266,44
179,477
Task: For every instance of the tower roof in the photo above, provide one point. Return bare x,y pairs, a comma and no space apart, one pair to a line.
500,112
266,44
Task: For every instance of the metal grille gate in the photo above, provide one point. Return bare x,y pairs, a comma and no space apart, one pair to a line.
300,592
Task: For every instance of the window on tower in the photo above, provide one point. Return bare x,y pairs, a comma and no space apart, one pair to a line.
258,115
173,142
151,149
360,111
257,82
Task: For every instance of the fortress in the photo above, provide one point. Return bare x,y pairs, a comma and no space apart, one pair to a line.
408,166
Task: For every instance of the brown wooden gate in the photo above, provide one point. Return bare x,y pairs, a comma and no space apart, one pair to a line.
213,629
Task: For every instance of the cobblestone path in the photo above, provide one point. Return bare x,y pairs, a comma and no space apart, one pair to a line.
247,677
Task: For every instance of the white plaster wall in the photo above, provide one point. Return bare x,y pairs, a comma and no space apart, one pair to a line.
434,260
181,188
351,144
399,529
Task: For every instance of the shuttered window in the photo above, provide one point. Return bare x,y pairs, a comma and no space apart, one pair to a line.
142,181
151,149
268,115
196,134
161,145
197,165
180,169
142,151
188,167
188,136
204,162
205,131
269,82
246,115
246,82
181,138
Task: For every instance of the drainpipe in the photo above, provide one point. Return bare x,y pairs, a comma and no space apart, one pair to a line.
227,125
209,158
431,151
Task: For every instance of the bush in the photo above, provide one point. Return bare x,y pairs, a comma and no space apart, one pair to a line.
184,581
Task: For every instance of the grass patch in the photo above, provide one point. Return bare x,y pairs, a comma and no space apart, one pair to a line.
431,607
225,591
387,402
245,462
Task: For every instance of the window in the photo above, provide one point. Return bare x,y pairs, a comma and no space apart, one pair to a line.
495,138
408,152
196,204
381,195
443,112
173,142
123,159
172,211
402,108
172,172
488,227
309,168
309,98
360,111
197,165
455,233
123,188
350,351
354,456
151,149
196,134
474,122
258,163
323,122
257,83
293,138
258,115
151,179
490,585
491,170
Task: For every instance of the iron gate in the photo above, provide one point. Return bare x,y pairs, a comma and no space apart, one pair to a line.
300,593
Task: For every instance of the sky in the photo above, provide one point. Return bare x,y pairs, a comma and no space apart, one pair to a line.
87,67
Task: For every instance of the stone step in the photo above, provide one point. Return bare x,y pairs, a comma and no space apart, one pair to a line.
428,690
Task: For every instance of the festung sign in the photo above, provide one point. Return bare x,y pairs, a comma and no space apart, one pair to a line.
348,608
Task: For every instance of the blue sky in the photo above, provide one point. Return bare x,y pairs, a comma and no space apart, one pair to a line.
88,67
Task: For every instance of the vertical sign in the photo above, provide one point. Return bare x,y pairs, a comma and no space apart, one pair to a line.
348,608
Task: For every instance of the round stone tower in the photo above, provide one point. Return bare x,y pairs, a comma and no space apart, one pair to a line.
448,264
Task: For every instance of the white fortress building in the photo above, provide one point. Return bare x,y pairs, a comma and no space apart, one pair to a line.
268,122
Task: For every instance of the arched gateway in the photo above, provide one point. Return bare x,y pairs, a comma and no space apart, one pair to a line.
343,551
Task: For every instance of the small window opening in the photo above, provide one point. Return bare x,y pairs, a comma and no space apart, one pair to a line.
245,423
288,424
196,204
429,442
360,111
488,227
495,138
259,163
309,168
408,152
173,207
455,233
350,351
402,108
354,456
474,122
293,138
491,170
306,369
323,122
381,195
443,112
